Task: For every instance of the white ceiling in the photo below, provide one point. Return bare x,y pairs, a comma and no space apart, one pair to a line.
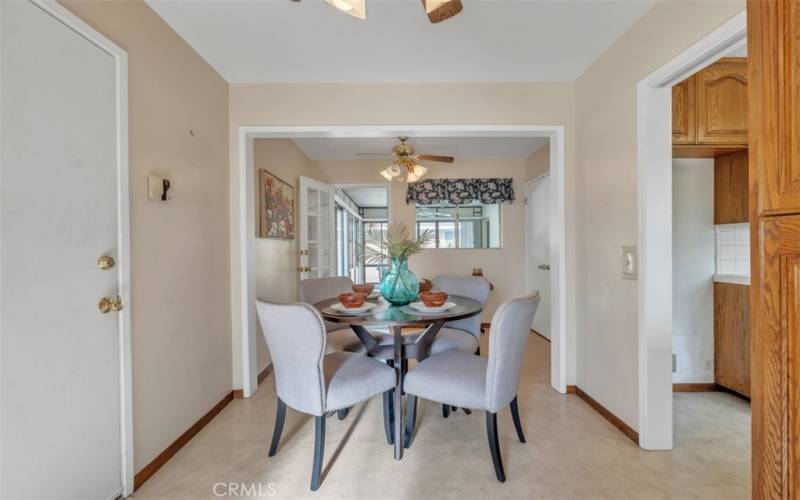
270,41
347,148
368,197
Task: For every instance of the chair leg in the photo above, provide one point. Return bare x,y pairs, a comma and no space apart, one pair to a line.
494,445
411,420
342,414
319,451
445,411
280,417
388,415
517,423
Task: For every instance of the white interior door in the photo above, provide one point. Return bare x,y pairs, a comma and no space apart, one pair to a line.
537,249
60,369
317,228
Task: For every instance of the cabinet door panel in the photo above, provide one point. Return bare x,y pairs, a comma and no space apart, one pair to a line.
776,347
722,102
732,337
731,196
684,121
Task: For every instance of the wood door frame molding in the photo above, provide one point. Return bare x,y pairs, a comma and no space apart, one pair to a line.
123,256
243,264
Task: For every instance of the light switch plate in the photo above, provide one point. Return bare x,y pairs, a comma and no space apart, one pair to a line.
630,265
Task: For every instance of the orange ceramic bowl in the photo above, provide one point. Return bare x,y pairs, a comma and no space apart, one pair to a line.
433,299
366,288
425,286
352,300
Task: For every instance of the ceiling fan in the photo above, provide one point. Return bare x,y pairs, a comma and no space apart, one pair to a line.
437,10
405,162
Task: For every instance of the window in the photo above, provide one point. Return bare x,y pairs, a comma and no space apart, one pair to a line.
376,256
464,226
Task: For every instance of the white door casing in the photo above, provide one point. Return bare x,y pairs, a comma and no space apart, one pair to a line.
537,248
654,158
316,229
66,425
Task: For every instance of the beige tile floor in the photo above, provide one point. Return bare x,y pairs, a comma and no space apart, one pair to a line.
571,452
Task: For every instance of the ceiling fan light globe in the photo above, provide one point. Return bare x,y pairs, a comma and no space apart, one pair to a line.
420,171
386,175
355,8
394,169
412,177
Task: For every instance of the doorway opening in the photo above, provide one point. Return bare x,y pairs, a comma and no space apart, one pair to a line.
362,217
537,247
343,172
666,262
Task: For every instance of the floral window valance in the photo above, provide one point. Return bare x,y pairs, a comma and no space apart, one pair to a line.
460,191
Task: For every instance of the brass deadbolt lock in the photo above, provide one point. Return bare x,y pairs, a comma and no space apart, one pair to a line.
106,262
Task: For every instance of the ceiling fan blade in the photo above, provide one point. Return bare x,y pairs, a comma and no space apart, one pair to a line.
441,10
443,159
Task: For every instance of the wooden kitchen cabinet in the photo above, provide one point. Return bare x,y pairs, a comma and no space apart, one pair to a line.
731,191
684,104
732,337
722,102
709,111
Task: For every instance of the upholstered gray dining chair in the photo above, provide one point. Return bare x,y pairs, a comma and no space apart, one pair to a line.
465,334
310,381
462,379
340,336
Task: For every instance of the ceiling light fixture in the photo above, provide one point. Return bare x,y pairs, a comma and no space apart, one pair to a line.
437,10
442,10
355,8
404,169
404,166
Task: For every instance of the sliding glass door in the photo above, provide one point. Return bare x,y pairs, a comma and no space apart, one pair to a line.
349,241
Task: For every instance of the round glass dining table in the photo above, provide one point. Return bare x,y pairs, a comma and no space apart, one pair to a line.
398,347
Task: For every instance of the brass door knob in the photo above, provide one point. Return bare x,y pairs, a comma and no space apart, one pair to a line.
107,304
106,262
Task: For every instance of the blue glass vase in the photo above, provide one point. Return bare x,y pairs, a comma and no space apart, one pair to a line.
399,286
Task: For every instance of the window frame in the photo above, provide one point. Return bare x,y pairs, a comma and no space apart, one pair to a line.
477,215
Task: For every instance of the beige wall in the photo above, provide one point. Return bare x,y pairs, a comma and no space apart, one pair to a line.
393,104
538,163
180,263
606,194
277,260
496,263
